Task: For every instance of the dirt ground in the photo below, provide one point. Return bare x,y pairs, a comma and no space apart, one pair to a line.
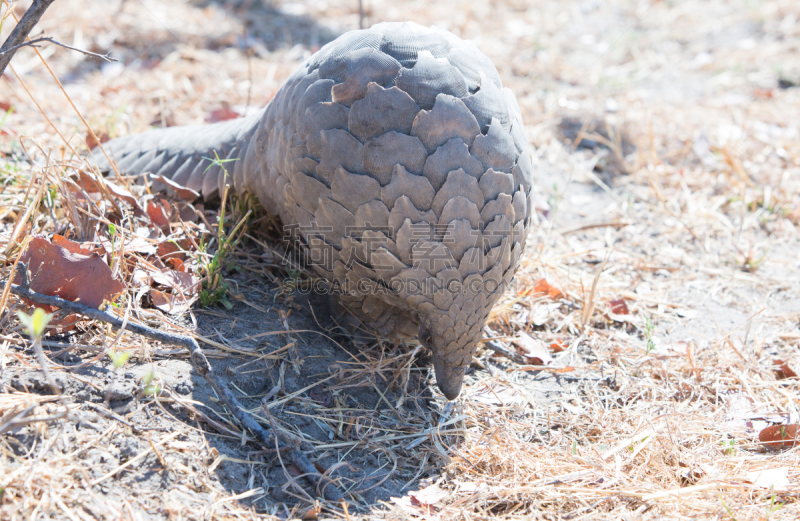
666,150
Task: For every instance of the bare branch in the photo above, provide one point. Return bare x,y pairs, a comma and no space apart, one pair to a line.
107,57
22,30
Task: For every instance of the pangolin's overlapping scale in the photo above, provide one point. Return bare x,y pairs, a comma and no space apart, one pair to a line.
380,111
448,118
403,161
429,78
363,67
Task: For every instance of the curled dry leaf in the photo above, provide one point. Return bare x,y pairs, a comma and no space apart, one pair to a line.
427,497
174,249
78,277
77,248
187,194
183,281
159,211
619,307
170,303
533,349
91,142
779,436
89,183
782,370
542,287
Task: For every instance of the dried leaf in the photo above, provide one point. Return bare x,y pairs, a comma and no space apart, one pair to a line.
779,436
91,142
5,106
542,287
187,194
77,277
159,211
174,249
427,497
782,370
619,307
312,513
532,349
185,282
558,346
91,185
74,247
223,114
169,303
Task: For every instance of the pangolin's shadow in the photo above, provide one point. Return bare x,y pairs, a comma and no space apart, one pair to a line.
267,28
366,405
280,26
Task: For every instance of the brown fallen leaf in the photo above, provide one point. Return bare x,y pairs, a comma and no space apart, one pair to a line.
185,282
89,183
427,497
77,248
91,142
779,436
619,307
169,303
542,287
533,349
187,194
174,249
78,277
558,346
312,513
159,211
223,114
782,370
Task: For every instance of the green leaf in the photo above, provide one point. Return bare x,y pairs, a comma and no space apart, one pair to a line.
119,359
36,322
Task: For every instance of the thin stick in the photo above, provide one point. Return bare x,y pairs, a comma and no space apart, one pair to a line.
107,56
21,31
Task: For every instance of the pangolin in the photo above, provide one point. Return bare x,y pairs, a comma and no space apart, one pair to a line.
400,162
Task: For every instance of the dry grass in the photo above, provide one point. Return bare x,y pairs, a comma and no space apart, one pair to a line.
655,414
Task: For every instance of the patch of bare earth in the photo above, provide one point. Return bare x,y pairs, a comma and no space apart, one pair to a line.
651,336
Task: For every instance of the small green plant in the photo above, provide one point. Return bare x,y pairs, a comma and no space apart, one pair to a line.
772,507
35,324
648,334
725,506
728,447
151,385
215,288
750,263
119,359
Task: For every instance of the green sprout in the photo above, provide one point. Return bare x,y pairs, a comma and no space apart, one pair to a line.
35,323
151,385
119,359
215,288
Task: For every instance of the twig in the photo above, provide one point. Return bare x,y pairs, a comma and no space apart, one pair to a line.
498,348
21,31
107,56
200,364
